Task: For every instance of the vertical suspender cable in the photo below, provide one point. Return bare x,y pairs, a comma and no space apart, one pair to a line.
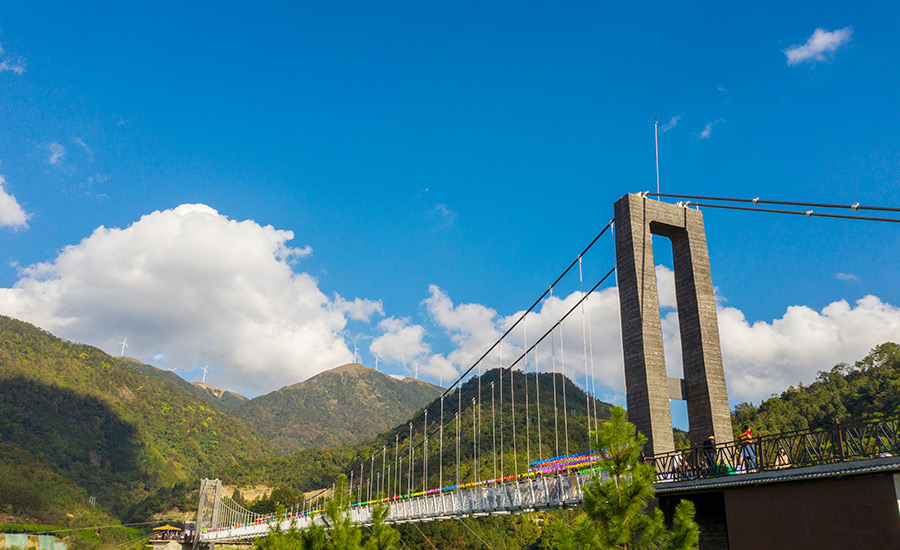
587,382
409,480
441,461
493,431
397,465
425,454
458,421
474,446
478,436
527,411
457,449
555,402
512,418
562,366
537,385
502,364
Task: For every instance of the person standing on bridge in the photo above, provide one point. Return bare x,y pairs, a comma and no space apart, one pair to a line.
748,454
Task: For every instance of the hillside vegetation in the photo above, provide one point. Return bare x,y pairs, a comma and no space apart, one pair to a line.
313,469
341,406
104,428
223,400
868,388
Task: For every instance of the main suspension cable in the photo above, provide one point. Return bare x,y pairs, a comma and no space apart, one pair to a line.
808,213
757,200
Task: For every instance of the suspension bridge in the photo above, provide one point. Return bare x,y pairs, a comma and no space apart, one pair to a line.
490,446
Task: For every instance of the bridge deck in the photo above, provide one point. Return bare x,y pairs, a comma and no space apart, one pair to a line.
542,493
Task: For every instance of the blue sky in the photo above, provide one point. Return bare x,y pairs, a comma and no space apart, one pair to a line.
442,163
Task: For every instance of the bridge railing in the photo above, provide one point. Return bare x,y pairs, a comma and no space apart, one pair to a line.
841,442
559,490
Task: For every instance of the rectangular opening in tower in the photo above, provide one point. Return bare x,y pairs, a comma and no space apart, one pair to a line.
668,313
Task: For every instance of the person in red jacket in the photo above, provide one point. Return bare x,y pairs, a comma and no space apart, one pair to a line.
748,453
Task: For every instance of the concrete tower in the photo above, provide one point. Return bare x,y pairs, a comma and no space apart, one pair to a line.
648,387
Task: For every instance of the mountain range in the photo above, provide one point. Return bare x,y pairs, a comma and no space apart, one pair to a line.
136,437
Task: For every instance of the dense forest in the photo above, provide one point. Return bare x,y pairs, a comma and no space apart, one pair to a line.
93,423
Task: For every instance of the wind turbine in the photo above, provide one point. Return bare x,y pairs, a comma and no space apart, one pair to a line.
376,363
204,373
416,366
124,345
355,353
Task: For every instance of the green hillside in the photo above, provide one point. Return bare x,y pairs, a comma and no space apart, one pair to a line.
338,407
105,428
868,388
224,400
312,469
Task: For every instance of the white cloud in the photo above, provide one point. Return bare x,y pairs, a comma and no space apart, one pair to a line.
198,287
401,342
819,46
358,309
707,130
11,214
673,122
8,64
845,276
84,146
446,213
57,153
762,358
471,327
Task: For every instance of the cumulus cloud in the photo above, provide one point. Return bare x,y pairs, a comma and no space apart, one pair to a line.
707,130
200,288
57,153
11,214
673,122
819,47
401,341
473,328
845,277
760,357
358,309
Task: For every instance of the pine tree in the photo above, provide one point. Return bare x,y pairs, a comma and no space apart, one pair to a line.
335,530
616,514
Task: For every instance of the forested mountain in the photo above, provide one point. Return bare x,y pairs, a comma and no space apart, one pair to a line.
102,427
316,468
341,406
868,388
223,400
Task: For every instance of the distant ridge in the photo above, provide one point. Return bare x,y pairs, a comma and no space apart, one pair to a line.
341,406
224,400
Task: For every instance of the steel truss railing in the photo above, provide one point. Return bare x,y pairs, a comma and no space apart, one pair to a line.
842,442
562,490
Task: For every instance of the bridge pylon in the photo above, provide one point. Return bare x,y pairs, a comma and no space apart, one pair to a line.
648,387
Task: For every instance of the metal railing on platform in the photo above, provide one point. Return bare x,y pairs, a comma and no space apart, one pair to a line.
838,443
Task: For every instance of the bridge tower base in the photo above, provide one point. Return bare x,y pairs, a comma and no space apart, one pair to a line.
836,512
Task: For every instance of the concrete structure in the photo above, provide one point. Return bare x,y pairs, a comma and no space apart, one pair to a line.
840,505
648,391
